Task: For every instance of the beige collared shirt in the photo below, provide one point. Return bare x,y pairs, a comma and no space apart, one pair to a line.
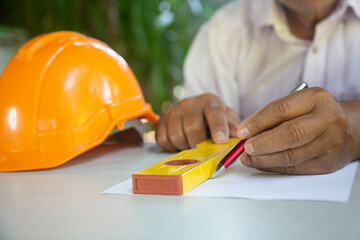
247,55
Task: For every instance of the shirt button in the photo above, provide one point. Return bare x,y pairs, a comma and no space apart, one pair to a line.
280,30
315,50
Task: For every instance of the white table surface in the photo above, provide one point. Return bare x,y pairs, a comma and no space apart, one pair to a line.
66,203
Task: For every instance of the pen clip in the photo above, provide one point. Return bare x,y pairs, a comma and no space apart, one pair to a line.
300,86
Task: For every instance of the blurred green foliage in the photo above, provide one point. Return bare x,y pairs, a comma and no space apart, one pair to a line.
152,35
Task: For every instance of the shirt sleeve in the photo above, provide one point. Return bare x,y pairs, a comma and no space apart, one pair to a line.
210,64
199,66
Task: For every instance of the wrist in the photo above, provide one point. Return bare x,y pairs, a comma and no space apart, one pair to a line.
352,111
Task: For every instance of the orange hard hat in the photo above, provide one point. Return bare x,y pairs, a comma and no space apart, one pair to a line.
60,95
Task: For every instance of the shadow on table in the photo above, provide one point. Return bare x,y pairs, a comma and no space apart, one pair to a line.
120,141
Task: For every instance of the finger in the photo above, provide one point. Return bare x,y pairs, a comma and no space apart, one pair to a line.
161,136
233,129
319,165
233,121
176,132
215,115
194,127
289,157
288,135
286,108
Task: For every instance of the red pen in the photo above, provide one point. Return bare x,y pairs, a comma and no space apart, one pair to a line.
230,158
239,148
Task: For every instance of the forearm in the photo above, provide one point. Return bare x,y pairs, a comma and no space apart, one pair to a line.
352,111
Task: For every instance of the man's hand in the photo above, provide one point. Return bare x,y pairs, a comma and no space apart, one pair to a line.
186,124
307,132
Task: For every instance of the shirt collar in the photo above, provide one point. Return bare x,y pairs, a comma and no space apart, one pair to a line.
355,5
268,13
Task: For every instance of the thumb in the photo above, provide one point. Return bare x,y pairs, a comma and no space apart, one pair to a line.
233,121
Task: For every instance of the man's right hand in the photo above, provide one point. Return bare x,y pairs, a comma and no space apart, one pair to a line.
186,124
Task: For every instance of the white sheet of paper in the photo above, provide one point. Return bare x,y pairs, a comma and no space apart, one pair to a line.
242,182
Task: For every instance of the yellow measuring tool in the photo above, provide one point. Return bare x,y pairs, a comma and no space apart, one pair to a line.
183,171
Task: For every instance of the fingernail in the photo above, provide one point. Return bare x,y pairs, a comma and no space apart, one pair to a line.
249,148
244,158
220,136
243,133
